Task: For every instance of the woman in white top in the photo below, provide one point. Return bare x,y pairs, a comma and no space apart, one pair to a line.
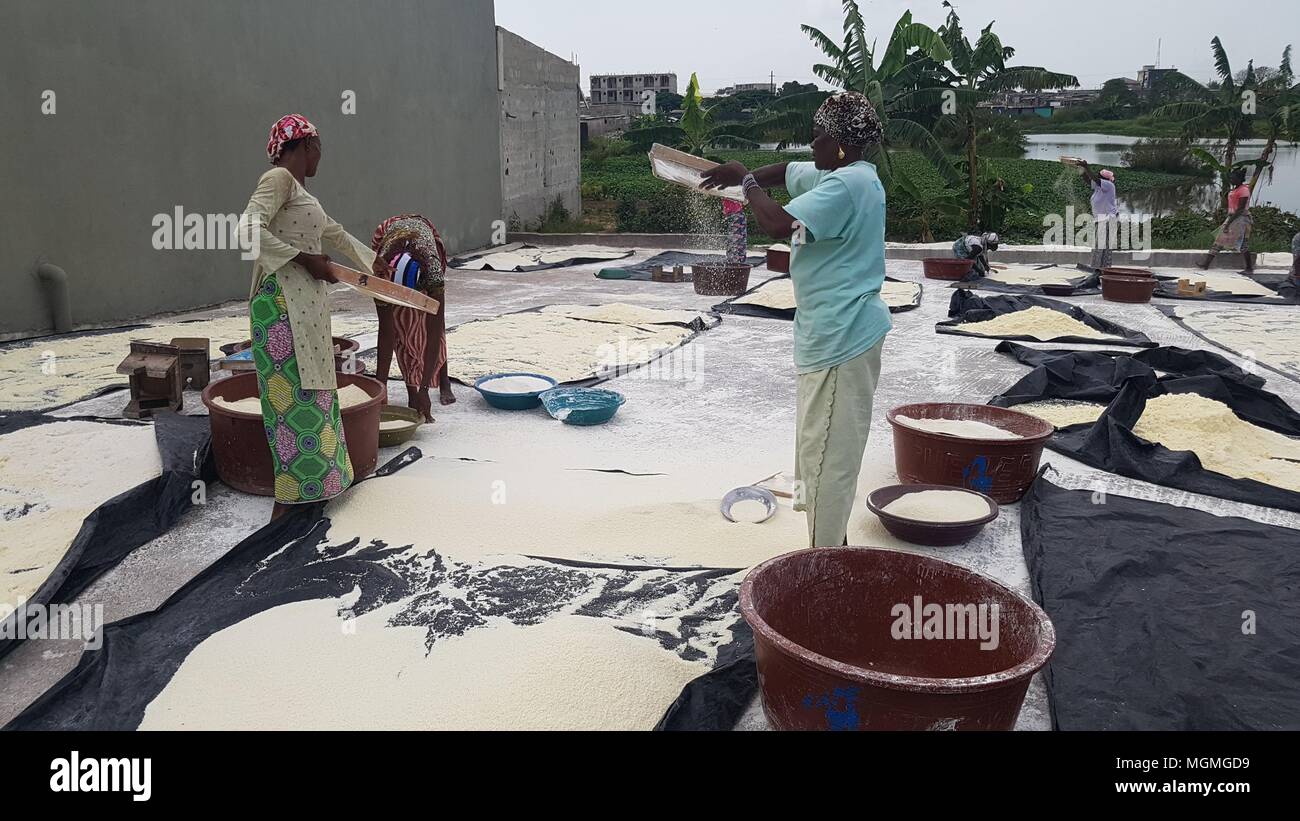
293,347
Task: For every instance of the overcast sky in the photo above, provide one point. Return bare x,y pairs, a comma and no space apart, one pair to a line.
744,41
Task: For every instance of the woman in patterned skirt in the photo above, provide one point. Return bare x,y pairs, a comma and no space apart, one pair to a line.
293,347
411,250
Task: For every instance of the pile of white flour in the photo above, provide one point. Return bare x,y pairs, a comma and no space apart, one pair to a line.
1223,442
1042,324
1063,413
939,506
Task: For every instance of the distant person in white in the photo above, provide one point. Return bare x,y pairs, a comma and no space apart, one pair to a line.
1105,213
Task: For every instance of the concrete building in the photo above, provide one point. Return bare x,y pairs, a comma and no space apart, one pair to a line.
1148,76
629,88
112,116
741,88
540,148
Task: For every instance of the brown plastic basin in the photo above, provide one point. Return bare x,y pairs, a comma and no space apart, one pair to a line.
947,268
239,440
831,637
928,534
1001,469
714,279
778,262
1129,289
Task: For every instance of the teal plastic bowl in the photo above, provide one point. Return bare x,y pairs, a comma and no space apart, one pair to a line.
582,406
512,401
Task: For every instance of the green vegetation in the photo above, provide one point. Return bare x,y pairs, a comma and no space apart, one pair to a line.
1064,123
949,165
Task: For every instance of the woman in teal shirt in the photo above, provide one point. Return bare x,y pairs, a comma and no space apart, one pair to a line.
836,224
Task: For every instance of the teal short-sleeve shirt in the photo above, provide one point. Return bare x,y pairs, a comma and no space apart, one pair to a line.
839,268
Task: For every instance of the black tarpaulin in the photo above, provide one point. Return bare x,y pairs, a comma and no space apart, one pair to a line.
295,560
715,701
731,306
1167,618
134,518
1126,384
966,307
645,271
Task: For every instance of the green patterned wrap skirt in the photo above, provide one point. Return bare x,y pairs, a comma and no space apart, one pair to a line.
304,429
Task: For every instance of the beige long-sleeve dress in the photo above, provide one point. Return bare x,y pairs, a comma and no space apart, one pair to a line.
289,221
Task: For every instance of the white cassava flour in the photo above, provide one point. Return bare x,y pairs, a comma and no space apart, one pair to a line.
962,428
778,294
568,350
517,385
749,511
939,506
50,372
294,668
1063,413
1222,441
1039,323
395,424
51,478
1270,337
349,397
1031,277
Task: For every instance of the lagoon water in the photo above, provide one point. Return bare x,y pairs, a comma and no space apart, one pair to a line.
1283,190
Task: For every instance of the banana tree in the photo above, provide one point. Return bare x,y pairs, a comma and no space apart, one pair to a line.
1225,111
697,132
980,71
882,76
1284,120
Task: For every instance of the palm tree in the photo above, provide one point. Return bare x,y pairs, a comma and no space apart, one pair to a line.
980,71
1221,112
697,132
889,85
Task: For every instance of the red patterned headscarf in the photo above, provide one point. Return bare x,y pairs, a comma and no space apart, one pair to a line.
287,128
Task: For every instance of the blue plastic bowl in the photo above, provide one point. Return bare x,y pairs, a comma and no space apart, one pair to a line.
512,401
582,406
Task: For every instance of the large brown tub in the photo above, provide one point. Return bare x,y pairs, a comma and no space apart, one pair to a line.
832,656
239,443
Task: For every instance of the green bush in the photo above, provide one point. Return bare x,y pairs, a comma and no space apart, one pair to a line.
1167,155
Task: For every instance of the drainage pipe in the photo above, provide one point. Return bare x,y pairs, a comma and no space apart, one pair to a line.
54,280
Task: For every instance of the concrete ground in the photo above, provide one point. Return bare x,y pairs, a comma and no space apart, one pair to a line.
739,409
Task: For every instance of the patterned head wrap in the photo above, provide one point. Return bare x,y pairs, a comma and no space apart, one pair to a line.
287,128
850,119
1107,174
415,235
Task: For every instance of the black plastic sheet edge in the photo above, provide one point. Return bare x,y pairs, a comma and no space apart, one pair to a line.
967,307
1110,444
302,522
133,518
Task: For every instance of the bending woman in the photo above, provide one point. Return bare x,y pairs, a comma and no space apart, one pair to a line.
412,253
838,269
293,346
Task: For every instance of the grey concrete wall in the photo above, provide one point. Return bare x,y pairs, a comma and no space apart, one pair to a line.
163,103
540,152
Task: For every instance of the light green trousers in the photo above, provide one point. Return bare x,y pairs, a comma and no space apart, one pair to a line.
834,422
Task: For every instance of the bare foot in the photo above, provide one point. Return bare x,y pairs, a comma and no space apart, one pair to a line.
446,397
